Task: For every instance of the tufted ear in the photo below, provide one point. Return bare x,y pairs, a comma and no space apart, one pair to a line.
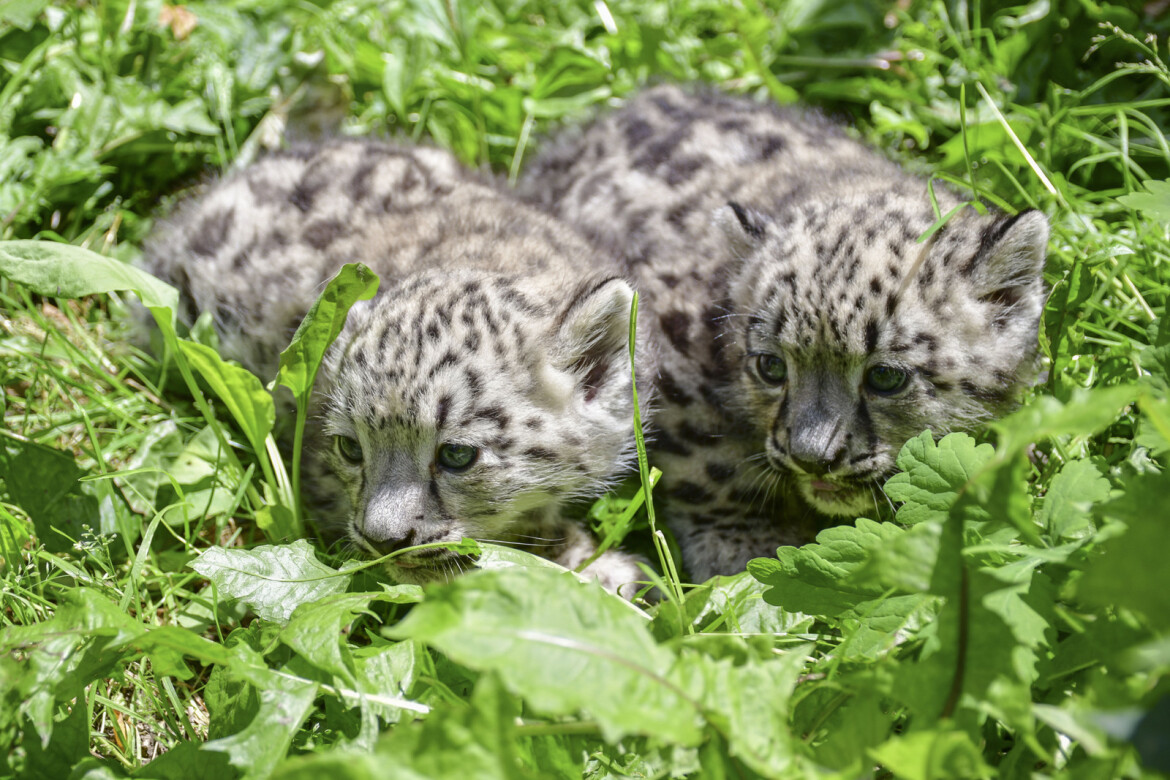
744,227
1009,265
593,334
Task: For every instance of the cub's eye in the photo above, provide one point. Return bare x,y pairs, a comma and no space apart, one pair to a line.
457,457
349,447
885,380
772,369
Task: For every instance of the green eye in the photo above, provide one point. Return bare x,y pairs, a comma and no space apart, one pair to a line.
772,369
457,457
885,380
349,447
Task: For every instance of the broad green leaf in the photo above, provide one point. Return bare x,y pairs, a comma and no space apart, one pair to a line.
732,604
66,271
68,744
817,579
933,475
850,730
1154,202
388,670
159,448
932,755
22,13
563,645
1071,495
1110,580
476,742
1085,413
314,630
273,580
282,707
755,726
185,761
44,482
239,389
65,653
300,361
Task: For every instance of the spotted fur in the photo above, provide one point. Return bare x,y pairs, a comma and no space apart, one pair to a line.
789,291
497,330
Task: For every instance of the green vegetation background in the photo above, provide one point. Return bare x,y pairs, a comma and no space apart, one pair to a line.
1013,622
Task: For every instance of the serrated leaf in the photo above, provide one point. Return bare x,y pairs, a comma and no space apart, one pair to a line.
1065,512
733,604
282,707
387,670
300,361
820,579
756,727
314,630
62,655
273,580
934,474
563,645
932,755
1154,202
475,742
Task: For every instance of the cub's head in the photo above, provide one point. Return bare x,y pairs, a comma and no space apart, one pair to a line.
851,336
471,404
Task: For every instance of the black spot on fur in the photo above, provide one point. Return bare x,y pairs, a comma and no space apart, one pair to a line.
305,192
769,145
720,472
637,131
871,335
676,325
672,391
683,170
212,232
323,232
664,442
541,453
660,151
750,223
691,493
692,434
988,239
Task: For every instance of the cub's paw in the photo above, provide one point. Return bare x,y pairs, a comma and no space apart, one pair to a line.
618,572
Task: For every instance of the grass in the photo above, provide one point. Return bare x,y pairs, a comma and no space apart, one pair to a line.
1031,612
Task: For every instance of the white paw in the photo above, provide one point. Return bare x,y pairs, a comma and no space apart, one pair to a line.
617,572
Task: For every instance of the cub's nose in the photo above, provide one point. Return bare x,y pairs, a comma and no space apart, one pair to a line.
389,544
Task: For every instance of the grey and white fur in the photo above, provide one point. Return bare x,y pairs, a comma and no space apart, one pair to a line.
805,333
485,385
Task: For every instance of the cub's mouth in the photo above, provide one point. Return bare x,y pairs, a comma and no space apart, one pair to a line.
837,496
429,566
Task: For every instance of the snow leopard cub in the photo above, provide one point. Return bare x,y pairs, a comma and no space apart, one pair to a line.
805,334
485,385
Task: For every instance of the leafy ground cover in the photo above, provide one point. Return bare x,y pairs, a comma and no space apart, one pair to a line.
160,621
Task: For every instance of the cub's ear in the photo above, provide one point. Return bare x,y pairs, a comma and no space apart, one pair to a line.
1008,267
593,335
744,227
